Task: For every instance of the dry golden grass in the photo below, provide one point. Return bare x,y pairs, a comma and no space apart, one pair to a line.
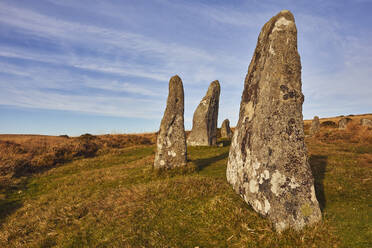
23,154
118,201
355,118
115,199
354,133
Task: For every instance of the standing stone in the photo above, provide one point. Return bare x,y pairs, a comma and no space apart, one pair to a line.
342,124
315,126
366,122
171,141
225,129
204,123
268,164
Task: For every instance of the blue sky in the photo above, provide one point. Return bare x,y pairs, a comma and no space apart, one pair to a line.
71,67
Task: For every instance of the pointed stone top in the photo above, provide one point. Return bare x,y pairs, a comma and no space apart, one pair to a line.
286,14
316,117
214,84
284,20
285,11
175,77
213,88
175,82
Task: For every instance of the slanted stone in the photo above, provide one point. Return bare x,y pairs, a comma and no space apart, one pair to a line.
366,122
171,141
342,124
225,129
315,126
204,123
268,164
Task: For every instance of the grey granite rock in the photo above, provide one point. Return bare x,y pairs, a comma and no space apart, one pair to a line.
171,141
225,129
204,124
366,122
268,165
342,124
315,126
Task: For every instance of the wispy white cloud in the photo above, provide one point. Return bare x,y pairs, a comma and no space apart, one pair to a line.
94,63
137,62
102,105
165,58
103,38
37,77
118,53
227,15
120,86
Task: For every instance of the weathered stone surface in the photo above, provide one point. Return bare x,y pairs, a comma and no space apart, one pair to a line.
315,126
366,122
342,124
171,141
204,123
225,129
268,164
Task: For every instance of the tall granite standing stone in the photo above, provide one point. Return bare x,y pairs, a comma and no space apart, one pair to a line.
268,164
342,124
204,123
315,126
366,122
171,141
225,129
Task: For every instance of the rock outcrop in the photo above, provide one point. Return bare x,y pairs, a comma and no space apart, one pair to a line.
315,126
204,123
268,164
225,129
342,124
366,122
171,141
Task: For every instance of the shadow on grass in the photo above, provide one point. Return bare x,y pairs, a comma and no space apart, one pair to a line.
205,162
318,166
224,142
7,207
12,200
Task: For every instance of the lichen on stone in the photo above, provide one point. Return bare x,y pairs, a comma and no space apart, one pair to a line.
267,162
171,141
204,124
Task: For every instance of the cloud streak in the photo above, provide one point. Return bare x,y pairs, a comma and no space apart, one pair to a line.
115,59
102,105
120,53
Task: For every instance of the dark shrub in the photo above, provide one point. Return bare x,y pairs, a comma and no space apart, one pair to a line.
87,136
86,147
328,124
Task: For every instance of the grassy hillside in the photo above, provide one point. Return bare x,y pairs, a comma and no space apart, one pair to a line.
115,199
26,154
